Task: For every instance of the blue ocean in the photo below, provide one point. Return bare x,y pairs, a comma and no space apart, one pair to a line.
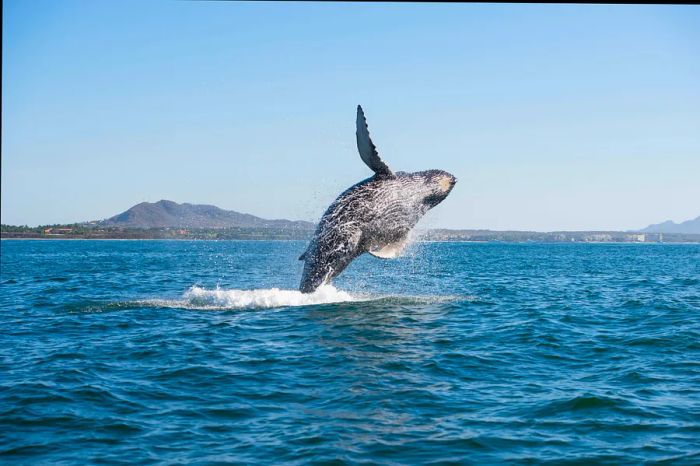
179,352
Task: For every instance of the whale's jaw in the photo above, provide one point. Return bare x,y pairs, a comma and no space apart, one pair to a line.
441,184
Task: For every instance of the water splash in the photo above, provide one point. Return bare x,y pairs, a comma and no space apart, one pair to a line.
198,298
202,298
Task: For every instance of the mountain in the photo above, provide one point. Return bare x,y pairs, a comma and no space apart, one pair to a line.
169,214
689,226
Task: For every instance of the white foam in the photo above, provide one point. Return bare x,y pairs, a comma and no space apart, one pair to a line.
220,299
202,298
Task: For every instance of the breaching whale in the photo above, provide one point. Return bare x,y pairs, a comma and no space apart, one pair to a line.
374,216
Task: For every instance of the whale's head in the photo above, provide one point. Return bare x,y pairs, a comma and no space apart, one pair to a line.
437,184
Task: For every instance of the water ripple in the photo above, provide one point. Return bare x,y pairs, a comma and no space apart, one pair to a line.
180,352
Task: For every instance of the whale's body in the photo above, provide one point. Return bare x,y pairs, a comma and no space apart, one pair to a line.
375,215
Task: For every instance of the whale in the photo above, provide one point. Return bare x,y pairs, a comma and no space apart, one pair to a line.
374,216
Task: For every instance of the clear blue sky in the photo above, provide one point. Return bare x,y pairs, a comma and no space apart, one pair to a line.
551,116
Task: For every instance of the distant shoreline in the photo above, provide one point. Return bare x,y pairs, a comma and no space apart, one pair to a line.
302,240
88,232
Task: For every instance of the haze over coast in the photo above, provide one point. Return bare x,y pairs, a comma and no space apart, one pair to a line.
669,226
169,214
167,219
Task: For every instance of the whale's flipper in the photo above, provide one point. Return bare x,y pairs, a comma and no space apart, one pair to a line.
368,151
391,250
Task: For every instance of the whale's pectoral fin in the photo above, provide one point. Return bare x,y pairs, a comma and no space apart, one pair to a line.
390,250
367,149
303,256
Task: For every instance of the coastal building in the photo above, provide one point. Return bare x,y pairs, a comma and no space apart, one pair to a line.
598,238
57,231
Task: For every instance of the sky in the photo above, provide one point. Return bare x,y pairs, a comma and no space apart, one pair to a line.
552,117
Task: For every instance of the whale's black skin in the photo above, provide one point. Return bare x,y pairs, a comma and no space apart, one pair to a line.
374,216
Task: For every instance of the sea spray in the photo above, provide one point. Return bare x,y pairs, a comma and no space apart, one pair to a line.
262,298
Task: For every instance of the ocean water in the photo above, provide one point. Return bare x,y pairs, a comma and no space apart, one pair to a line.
167,352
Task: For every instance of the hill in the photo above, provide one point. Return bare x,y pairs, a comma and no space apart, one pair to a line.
169,214
689,226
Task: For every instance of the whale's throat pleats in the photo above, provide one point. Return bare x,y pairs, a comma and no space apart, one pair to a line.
389,250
